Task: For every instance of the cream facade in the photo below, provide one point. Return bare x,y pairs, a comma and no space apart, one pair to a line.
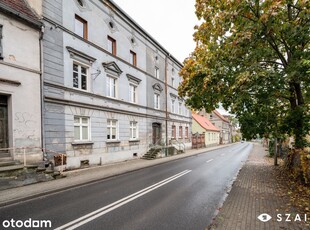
20,84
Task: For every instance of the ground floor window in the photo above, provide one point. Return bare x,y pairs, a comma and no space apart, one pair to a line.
180,132
133,130
112,129
81,128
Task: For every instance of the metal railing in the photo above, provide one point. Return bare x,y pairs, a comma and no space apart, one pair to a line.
24,152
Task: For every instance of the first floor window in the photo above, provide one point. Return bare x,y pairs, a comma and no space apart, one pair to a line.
133,130
172,105
112,130
81,128
156,101
180,108
111,87
79,76
133,93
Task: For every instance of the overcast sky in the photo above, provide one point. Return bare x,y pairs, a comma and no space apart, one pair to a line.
170,22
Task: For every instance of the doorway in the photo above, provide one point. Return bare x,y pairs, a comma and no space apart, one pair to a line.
3,123
156,133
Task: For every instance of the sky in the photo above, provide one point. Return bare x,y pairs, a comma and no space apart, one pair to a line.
169,22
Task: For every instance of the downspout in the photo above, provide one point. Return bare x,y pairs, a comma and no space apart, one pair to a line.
166,94
41,90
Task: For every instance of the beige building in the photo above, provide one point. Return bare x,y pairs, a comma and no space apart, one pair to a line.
20,82
202,125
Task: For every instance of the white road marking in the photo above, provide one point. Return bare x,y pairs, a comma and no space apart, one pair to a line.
209,160
99,212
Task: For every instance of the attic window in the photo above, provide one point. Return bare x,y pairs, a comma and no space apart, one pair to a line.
81,2
111,24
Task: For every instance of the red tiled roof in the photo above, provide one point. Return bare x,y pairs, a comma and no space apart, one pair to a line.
204,122
220,115
21,7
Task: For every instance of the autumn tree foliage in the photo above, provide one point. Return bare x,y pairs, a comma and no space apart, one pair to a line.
251,55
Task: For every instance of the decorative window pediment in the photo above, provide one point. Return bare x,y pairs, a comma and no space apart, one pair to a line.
157,87
80,56
133,79
173,96
112,68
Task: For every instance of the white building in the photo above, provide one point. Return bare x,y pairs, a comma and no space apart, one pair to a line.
110,89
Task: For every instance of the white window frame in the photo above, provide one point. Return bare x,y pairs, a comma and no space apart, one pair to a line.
80,75
172,105
110,127
180,108
134,130
111,86
80,125
156,101
133,92
156,72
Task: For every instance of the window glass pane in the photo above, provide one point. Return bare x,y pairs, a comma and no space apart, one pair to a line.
75,68
84,82
76,120
79,28
85,133
76,133
75,80
83,70
114,123
84,120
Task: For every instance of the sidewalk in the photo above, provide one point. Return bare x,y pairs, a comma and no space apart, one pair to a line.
256,191
88,175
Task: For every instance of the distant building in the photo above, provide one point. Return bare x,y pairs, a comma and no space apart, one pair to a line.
20,82
222,123
202,125
110,89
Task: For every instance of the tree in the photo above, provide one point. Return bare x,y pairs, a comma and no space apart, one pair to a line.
250,55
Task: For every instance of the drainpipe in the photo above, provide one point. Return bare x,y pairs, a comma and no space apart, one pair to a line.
41,88
166,93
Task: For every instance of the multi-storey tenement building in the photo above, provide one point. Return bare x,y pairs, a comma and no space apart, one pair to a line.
222,123
20,83
110,89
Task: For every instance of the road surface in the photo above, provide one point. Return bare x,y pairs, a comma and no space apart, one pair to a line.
181,194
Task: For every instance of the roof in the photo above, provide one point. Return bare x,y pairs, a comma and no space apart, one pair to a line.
20,9
204,123
220,116
121,11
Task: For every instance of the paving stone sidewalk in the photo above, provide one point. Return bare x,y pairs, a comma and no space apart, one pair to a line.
255,192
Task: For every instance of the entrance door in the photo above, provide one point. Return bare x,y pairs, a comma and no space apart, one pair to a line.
156,133
3,123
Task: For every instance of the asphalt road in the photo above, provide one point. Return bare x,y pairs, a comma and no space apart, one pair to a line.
181,194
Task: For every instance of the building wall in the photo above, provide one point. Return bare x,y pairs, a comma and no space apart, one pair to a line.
211,137
20,82
62,48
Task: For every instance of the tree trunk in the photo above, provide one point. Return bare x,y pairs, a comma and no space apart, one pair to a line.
275,152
